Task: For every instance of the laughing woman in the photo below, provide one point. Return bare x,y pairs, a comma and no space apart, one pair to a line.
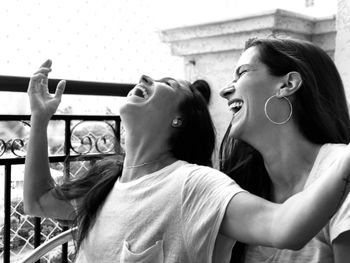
164,204
290,123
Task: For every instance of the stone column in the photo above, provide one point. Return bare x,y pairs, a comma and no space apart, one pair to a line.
342,51
210,51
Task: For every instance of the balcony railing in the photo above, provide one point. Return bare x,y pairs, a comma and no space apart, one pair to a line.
75,141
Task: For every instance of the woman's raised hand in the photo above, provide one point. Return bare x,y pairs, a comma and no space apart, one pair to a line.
42,103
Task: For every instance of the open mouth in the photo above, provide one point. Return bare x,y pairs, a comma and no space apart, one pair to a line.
235,106
140,92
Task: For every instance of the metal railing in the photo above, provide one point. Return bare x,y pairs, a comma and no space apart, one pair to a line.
74,142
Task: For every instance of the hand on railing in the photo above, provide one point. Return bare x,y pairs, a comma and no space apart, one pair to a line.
42,103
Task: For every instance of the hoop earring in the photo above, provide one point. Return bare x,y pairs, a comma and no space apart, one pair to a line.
275,122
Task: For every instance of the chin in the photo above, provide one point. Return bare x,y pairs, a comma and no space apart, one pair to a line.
238,126
122,110
127,111
128,107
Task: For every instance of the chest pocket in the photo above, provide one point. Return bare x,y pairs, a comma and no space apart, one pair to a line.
153,254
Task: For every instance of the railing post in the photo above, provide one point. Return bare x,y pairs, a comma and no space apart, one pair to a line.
67,135
7,218
117,136
37,233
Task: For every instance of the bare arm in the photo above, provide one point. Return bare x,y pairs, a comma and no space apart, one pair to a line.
38,183
292,224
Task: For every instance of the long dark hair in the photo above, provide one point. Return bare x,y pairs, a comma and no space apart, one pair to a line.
193,142
92,187
319,109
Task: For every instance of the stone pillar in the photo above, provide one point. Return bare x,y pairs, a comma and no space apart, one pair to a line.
210,51
342,52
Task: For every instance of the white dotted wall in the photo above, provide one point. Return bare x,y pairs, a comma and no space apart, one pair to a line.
104,40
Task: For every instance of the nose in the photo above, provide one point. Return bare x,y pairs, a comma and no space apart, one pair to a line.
146,80
228,90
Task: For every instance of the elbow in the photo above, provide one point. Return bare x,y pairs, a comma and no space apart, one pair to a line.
292,246
289,234
30,209
291,239
27,209
290,243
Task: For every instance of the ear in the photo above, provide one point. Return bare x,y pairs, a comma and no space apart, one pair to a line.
292,82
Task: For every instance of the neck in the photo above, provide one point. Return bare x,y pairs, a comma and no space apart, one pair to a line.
288,158
144,156
135,172
145,163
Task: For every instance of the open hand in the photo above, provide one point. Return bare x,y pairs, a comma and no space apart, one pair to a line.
42,103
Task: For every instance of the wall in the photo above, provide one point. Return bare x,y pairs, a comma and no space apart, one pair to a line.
342,53
106,40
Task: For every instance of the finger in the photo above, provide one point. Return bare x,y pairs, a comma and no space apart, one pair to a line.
47,64
44,83
43,70
38,77
60,89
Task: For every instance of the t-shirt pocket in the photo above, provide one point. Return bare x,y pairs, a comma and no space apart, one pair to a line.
153,254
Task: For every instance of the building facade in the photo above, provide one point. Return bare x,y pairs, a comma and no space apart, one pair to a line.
210,51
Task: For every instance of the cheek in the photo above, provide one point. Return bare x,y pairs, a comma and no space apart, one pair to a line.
255,99
168,108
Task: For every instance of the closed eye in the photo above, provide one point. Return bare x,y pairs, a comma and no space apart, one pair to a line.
242,73
241,70
168,81
238,75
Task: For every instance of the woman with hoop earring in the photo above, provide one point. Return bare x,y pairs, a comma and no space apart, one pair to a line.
290,121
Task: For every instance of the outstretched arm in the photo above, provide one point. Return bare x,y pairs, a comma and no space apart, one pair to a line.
291,225
38,183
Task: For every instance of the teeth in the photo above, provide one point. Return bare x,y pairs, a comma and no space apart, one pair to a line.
144,92
236,104
139,91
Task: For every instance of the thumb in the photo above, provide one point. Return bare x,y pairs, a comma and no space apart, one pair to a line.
60,89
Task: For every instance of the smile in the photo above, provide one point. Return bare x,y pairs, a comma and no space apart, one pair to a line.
140,91
235,105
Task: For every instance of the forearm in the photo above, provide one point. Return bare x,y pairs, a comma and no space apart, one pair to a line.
37,177
302,216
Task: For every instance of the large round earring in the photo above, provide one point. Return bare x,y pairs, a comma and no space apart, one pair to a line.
289,116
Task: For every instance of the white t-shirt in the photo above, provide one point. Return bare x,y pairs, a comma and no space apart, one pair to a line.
319,249
172,215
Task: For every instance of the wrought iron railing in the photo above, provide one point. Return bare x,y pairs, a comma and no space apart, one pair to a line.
74,142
